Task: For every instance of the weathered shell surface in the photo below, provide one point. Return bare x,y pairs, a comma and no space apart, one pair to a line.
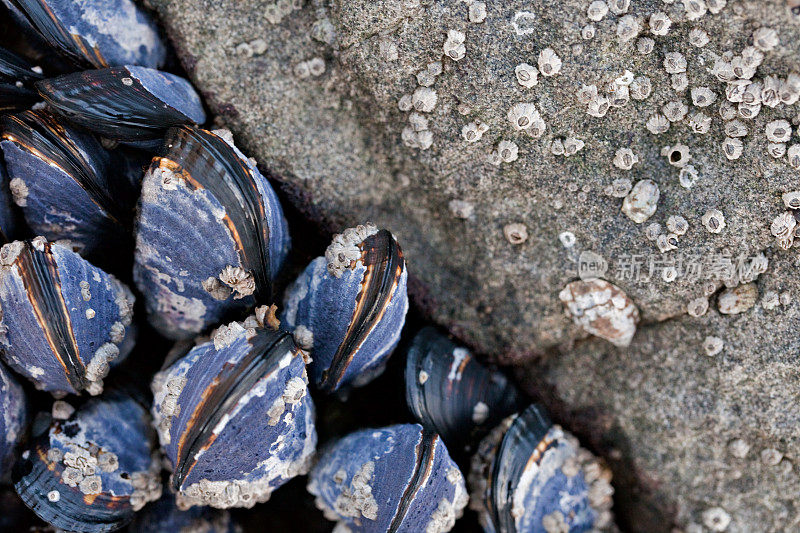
602,309
234,417
97,33
164,516
63,320
62,181
398,478
12,418
529,475
451,393
210,237
92,471
129,103
349,307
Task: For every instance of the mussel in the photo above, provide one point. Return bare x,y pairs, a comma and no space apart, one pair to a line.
530,475
164,516
12,418
349,307
93,33
397,478
63,320
210,235
234,416
128,103
93,468
8,216
17,77
452,393
61,179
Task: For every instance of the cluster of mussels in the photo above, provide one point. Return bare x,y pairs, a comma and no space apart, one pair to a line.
231,417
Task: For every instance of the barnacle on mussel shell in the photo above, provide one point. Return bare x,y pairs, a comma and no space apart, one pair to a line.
61,179
164,516
234,416
98,33
530,475
8,217
12,418
17,77
210,235
398,478
63,320
93,469
450,392
349,307
129,103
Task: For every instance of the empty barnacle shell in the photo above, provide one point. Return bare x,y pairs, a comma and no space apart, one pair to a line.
397,478
94,33
62,181
234,416
210,234
63,320
128,103
531,475
164,516
17,77
353,304
450,392
12,418
602,309
92,471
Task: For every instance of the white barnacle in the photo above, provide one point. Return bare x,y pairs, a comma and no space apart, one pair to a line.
626,79
618,94
765,39
567,239
699,123
588,32
572,146
748,111
793,156
557,147
790,89
675,111
713,220
473,131
597,10
677,224
694,8
728,111
688,176
620,187
666,243
776,150
783,228
674,63
641,202
424,99
624,159
678,155
712,345
778,131
549,62
641,88
732,147
527,75
628,28
508,151
657,124
771,92
698,37
454,45
735,128
515,233
598,107
752,93
715,6
645,45
477,12
679,81
723,70
523,22
652,231
752,57
586,94
660,23
523,115
703,96
697,307
418,122
619,7
405,103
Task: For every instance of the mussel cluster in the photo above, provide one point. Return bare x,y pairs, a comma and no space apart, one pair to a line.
115,202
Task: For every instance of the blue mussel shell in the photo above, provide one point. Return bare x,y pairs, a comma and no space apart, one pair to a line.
13,411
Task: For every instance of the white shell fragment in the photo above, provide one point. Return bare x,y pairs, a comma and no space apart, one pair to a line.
601,309
737,299
641,202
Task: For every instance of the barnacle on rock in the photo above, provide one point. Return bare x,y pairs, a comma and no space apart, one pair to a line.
601,309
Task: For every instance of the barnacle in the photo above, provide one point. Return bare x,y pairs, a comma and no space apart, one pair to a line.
645,45
624,159
640,88
674,63
657,124
454,45
713,220
597,10
732,147
778,131
698,37
660,23
527,75
694,8
628,28
703,96
699,122
675,111
549,62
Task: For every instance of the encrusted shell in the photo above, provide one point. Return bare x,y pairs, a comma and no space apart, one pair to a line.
210,236
601,309
397,478
63,320
13,411
234,416
350,306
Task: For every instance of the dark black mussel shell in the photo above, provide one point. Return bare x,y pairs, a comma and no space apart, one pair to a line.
17,77
129,104
452,393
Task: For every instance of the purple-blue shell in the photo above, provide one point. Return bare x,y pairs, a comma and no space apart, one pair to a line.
529,475
398,478
234,417
63,319
164,516
8,218
98,33
128,103
12,418
349,307
210,234
62,180
90,472
16,82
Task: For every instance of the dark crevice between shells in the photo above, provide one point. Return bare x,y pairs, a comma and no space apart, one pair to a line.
224,393
383,259
424,454
207,161
43,286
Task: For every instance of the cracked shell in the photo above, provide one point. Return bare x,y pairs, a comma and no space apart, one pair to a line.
164,516
530,475
63,320
93,33
397,478
12,418
210,234
234,417
450,392
92,471
350,306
